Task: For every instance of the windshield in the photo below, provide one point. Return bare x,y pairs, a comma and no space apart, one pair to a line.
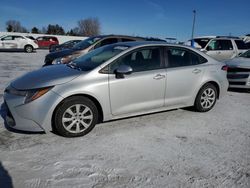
246,54
86,43
202,41
96,57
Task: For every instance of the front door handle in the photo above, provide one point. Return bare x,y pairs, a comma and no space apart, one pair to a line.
196,71
159,77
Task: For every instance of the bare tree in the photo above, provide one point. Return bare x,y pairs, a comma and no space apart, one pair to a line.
15,26
55,30
89,27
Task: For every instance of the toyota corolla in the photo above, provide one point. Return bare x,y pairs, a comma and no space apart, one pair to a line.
112,82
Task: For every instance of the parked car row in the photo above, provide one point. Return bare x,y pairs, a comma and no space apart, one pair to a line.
17,42
26,43
85,82
67,55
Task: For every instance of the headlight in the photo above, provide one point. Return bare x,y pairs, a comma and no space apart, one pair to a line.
14,91
56,61
63,60
30,95
35,94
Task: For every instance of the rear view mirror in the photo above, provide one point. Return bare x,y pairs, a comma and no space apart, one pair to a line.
122,70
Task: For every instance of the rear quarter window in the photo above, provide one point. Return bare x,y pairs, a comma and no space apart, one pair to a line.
241,45
180,57
127,40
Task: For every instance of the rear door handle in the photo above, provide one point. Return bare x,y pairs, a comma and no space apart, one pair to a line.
196,71
159,77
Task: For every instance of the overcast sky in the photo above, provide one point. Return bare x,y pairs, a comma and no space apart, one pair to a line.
157,18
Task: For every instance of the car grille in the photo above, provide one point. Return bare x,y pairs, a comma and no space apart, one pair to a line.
9,117
237,83
238,76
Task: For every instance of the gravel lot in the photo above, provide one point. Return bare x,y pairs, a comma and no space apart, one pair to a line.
177,148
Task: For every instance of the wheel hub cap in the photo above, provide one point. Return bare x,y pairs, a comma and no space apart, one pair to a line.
77,118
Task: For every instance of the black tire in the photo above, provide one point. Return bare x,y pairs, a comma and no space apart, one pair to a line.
28,48
69,105
200,102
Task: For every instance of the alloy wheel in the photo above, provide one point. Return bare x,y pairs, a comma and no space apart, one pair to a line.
77,118
208,98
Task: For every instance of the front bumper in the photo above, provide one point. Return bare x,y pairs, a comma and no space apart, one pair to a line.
239,79
34,116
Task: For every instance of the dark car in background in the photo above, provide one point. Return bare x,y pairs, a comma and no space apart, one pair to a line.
65,45
47,41
83,47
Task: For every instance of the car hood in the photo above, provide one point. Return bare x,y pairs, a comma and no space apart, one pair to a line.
61,53
45,77
239,62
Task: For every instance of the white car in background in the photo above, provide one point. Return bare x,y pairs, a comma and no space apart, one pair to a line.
17,42
220,47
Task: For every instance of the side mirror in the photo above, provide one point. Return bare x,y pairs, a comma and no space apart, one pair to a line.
209,48
122,70
203,50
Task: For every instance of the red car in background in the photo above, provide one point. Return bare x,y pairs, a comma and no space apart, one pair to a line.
47,41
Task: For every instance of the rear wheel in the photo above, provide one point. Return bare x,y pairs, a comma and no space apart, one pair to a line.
28,48
76,116
206,98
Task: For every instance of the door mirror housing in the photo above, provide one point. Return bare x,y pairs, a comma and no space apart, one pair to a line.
209,48
123,70
203,50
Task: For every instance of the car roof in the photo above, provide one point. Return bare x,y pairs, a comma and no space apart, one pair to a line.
128,36
149,43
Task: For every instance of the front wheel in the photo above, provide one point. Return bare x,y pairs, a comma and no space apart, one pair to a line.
206,98
76,116
28,48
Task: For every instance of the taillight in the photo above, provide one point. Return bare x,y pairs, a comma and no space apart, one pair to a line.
225,68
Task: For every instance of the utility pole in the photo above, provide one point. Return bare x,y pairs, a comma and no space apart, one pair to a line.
192,37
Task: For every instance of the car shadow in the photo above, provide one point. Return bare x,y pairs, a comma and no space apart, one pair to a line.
5,178
3,114
15,51
239,90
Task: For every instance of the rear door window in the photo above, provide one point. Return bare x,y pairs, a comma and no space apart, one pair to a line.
180,57
127,40
106,42
109,41
240,44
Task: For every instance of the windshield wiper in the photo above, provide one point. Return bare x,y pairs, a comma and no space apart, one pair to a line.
74,66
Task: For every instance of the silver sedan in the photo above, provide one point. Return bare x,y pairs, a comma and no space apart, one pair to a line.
112,82
239,71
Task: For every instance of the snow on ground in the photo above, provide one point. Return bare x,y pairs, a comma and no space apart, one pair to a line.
177,148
